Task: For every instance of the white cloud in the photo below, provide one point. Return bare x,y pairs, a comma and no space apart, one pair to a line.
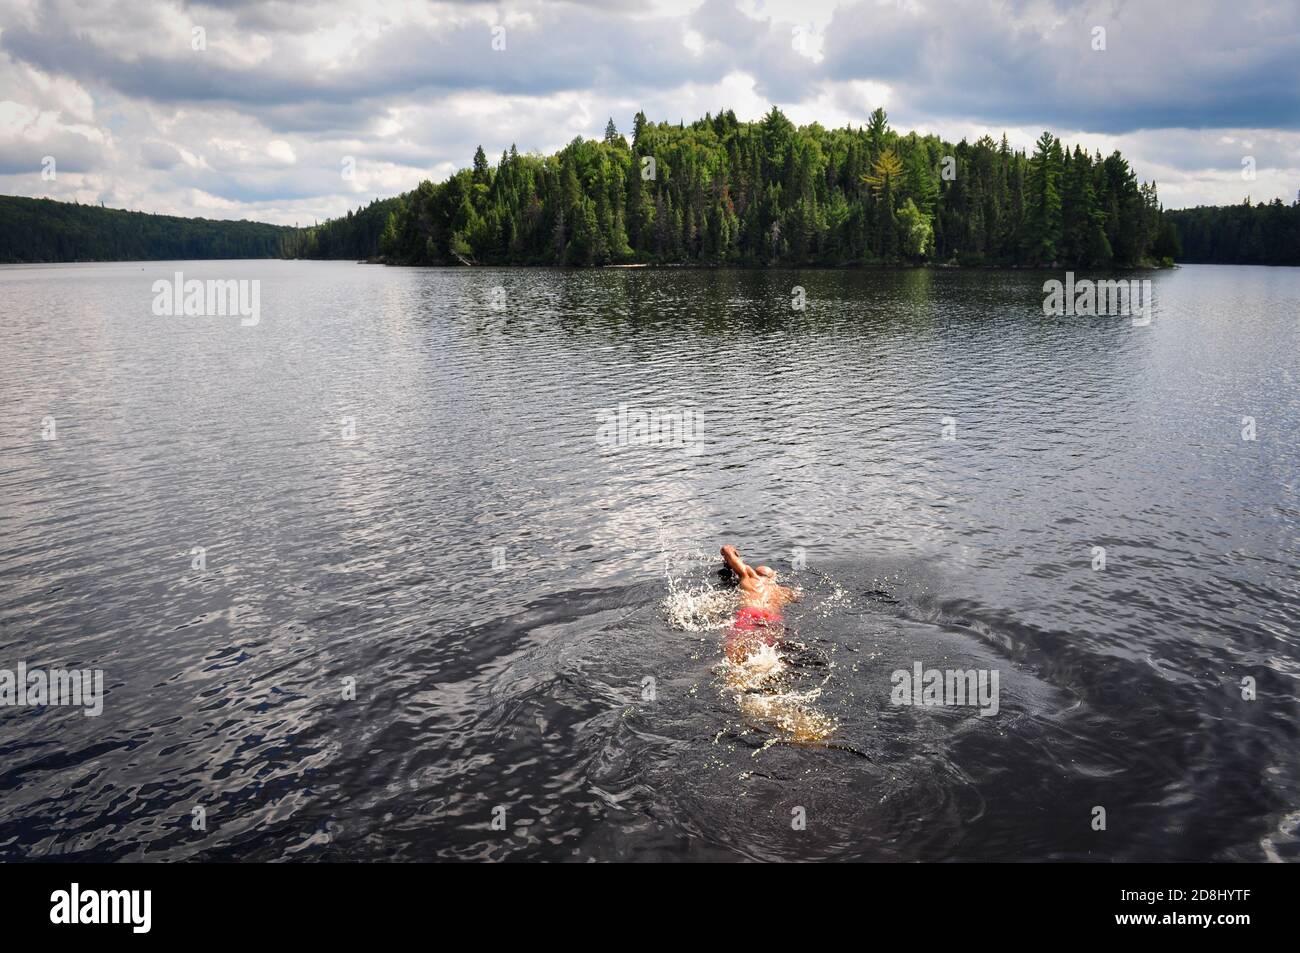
281,151
257,124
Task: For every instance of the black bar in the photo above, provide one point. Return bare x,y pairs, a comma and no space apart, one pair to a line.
220,902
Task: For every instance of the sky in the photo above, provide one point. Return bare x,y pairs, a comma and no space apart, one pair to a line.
291,112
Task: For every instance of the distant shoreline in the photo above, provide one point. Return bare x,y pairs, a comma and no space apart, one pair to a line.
657,266
706,266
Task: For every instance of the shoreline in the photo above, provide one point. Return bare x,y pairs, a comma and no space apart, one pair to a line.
705,266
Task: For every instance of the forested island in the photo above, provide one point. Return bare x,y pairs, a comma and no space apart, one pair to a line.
723,192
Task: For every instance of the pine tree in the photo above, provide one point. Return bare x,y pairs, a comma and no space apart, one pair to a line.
482,174
1044,201
877,128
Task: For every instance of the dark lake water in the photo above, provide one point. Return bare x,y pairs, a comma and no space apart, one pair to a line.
397,485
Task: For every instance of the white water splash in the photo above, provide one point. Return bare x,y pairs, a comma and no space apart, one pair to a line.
758,683
694,602
757,670
792,714
695,610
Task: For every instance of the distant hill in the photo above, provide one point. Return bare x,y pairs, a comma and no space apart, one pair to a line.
35,230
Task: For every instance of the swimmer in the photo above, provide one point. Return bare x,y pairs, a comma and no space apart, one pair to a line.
758,620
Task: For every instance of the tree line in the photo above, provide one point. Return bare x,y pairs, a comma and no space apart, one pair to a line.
1245,234
35,230
721,191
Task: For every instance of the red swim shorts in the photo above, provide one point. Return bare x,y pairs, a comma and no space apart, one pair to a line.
750,618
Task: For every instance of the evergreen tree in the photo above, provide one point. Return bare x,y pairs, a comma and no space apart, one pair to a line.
1044,201
482,174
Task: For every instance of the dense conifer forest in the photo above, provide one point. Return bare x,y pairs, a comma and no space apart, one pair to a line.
720,191
33,230
1245,234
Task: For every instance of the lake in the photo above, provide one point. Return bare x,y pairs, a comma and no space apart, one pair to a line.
422,565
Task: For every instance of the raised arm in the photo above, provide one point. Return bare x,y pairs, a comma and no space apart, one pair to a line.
736,564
